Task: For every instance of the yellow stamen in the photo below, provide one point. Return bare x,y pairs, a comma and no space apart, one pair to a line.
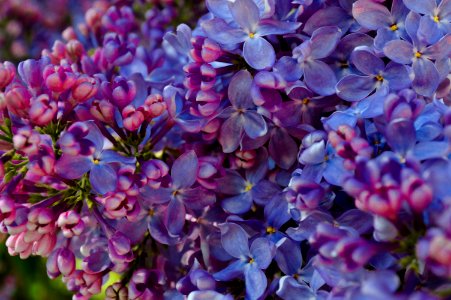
379,78
251,35
248,187
394,27
96,161
270,230
251,261
418,54
436,19
306,101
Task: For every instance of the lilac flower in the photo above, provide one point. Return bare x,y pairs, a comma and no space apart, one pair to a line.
435,22
249,261
375,76
257,51
180,195
241,116
320,160
318,76
427,76
375,16
99,163
244,192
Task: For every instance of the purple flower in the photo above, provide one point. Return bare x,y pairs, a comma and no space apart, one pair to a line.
99,163
241,116
251,29
375,16
249,261
435,22
180,195
243,192
318,76
427,76
375,76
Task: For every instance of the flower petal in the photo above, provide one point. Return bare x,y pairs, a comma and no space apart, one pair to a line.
399,51
259,53
254,124
73,167
184,170
219,31
239,90
256,282
355,88
197,198
270,26
234,240
288,256
426,78
246,14
400,135
371,15
174,217
424,7
103,179
366,62
262,251
238,204
232,271
320,78
231,133
324,40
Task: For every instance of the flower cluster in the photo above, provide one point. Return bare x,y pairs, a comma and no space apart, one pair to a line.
293,149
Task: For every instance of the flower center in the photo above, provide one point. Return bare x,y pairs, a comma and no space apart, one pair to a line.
379,78
270,230
96,161
394,27
436,19
306,101
251,35
248,187
251,260
418,54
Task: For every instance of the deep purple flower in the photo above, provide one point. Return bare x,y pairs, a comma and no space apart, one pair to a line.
250,260
306,61
180,195
241,116
99,162
375,76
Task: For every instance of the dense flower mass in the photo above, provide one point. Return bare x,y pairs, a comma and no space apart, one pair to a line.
256,149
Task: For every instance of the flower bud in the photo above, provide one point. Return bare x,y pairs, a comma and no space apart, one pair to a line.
70,223
84,88
58,79
42,110
7,73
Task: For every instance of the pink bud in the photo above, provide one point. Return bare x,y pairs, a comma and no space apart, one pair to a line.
27,141
42,110
66,261
18,100
70,223
84,88
7,210
58,78
154,106
7,73
132,118
103,111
